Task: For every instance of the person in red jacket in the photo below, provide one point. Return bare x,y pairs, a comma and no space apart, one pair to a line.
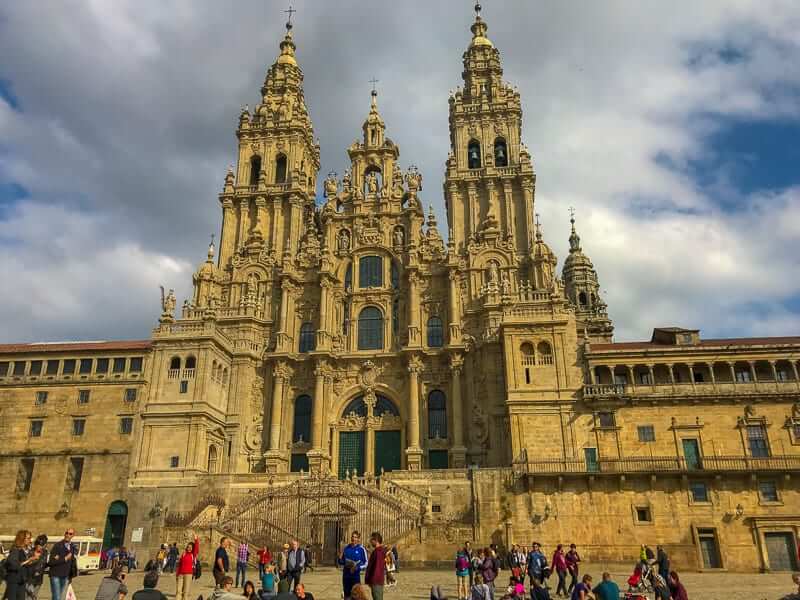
376,566
264,558
184,573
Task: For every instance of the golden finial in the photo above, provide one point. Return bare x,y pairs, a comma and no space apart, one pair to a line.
290,11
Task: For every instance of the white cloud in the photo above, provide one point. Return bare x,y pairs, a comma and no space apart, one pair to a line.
129,111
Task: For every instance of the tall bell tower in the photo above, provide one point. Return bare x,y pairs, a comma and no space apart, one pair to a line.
489,178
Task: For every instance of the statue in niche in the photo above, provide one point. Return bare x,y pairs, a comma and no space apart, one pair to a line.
399,237
494,272
372,183
505,286
397,181
344,240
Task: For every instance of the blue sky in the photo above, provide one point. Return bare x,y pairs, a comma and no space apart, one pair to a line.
671,128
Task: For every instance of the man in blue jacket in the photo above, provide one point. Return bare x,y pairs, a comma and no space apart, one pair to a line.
537,564
353,560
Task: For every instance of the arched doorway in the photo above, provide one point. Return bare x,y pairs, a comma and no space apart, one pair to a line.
116,519
370,436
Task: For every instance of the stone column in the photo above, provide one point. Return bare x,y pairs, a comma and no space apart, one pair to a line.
318,456
753,374
414,339
283,334
278,238
244,219
733,372
296,215
794,371
227,244
455,309
278,375
508,200
651,375
261,216
413,451
458,453
324,331
527,189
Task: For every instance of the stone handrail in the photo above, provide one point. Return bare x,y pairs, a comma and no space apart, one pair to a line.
604,389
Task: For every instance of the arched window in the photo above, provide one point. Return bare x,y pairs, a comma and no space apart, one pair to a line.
582,298
370,329
356,407
395,276
348,278
437,415
191,362
474,154
500,153
301,432
384,406
255,169
544,354
174,363
225,376
280,169
212,459
591,299
528,359
308,337
370,272
435,332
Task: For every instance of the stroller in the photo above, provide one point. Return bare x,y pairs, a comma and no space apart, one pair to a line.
640,582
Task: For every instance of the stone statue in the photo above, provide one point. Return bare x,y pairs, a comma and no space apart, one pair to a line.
344,240
372,183
494,273
413,179
331,185
505,286
347,181
168,301
399,236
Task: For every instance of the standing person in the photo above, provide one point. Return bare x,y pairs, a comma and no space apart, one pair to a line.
462,573
537,563
123,557
309,554
391,580
264,558
60,563
489,570
469,553
583,589
268,582
17,563
221,562
295,561
184,570
512,561
242,556
559,564
112,587
36,569
282,561
131,560
606,589
353,560
172,560
374,576
396,556
663,562
572,558
678,592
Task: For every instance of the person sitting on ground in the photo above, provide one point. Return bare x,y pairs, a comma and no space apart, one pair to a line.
149,592
515,588
539,592
479,589
606,589
112,587
678,592
437,593
582,590
300,592
224,591
249,592
361,591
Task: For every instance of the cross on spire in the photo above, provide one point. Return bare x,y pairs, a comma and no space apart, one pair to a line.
373,81
290,11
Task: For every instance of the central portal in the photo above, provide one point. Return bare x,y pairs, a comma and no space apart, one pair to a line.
370,436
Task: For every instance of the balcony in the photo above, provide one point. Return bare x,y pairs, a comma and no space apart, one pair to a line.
695,390
658,464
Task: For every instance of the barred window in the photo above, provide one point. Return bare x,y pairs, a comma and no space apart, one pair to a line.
370,329
435,332
78,426
119,365
308,337
699,491
437,415
370,272
85,366
757,440
136,364
302,419
83,396
126,425
606,419
102,365
768,491
36,428
41,398
130,395
647,433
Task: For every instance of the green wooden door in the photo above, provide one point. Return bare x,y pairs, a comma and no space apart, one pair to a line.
351,453
592,464
437,459
691,452
387,451
116,519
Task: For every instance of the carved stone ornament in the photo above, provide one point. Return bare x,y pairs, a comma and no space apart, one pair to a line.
252,436
369,375
480,429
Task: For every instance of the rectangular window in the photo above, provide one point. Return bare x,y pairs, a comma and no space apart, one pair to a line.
52,367
643,514
699,491
85,366
136,364
78,426
437,459
25,474
83,396
130,395
184,386
370,272
74,474
119,365
743,376
605,419
768,491
620,379
41,398
709,548
757,440
69,367
4,369
36,428
592,463
782,375
647,433
19,368
644,378
174,461
102,366
126,425
36,367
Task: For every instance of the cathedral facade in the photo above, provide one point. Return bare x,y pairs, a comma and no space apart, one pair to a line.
457,379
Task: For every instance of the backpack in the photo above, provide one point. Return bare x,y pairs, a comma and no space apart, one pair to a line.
197,571
462,562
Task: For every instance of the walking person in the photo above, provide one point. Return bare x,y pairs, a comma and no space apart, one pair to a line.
662,560
221,562
559,564
172,557
396,556
36,569
462,573
353,559
60,562
17,563
112,586
295,561
572,558
282,558
374,576
489,570
184,570
537,564
242,556
309,555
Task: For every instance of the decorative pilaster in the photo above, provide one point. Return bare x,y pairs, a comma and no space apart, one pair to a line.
458,453
414,339
318,460
455,308
275,457
413,452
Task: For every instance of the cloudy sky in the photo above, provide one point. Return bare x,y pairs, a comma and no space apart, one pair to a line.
671,127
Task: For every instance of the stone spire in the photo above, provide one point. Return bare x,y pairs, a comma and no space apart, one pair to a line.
374,127
582,289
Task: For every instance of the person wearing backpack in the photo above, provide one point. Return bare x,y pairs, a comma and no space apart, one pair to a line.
185,570
462,573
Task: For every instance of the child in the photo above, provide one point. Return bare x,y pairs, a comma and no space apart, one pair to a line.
391,580
268,582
